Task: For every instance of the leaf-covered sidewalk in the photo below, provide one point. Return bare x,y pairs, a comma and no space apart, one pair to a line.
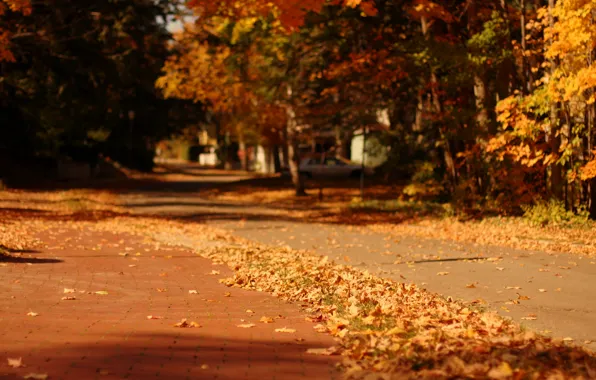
134,279
90,300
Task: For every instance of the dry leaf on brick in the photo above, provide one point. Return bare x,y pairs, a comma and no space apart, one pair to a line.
266,320
36,376
15,363
246,325
285,330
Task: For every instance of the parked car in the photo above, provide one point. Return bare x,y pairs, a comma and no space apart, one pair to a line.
331,167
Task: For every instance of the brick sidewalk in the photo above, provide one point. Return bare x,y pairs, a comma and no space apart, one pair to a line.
110,337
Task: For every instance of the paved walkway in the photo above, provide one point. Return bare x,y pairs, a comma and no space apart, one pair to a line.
551,294
109,336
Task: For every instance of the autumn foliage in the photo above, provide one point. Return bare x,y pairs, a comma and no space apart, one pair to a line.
497,96
7,6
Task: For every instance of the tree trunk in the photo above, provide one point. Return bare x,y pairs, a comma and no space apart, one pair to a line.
438,109
294,153
556,174
243,153
527,76
485,103
285,151
276,160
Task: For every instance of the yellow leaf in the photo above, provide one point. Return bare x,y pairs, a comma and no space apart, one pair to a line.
15,363
36,376
185,323
322,351
501,372
285,330
32,314
246,325
266,320
67,290
101,292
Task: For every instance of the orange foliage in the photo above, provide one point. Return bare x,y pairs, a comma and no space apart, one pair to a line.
23,6
289,12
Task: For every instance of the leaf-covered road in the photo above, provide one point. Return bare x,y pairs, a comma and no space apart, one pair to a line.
549,293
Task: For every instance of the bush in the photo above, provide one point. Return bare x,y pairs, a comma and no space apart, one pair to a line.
424,184
554,213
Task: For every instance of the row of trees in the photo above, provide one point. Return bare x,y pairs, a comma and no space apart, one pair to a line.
77,78
497,94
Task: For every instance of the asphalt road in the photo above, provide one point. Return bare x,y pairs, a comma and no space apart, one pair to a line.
554,294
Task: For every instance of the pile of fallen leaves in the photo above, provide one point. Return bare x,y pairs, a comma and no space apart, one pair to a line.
61,202
500,231
395,330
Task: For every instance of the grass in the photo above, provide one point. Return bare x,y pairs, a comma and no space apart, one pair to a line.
408,207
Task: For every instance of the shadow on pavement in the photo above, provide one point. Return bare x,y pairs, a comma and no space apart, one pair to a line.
26,260
185,354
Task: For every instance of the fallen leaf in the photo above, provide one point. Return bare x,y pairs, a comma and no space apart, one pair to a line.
123,254
568,339
513,287
320,328
214,272
154,317
246,325
161,290
542,290
15,363
185,323
522,298
36,376
101,292
266,320
67,290
442,273
321,351
285,330
227,294
32,314
132,266
529,318
69,298
193,291
500,268
249,311
204,366
470,286
501,372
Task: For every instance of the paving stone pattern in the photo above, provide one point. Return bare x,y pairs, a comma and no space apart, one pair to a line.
109,336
